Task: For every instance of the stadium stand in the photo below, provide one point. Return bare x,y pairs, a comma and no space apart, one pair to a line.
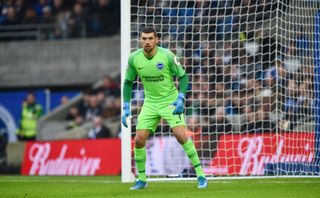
60,45
64,123
58,19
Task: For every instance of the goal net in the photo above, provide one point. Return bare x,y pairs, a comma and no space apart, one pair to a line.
252,103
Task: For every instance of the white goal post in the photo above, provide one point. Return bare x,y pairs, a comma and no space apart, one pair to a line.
253,104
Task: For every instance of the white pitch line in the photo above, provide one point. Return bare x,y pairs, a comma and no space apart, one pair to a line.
57,181
240,181
9,180
288,182
235,178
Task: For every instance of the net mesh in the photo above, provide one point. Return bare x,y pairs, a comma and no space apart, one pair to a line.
251,107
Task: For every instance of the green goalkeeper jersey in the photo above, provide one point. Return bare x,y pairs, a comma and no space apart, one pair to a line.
156,74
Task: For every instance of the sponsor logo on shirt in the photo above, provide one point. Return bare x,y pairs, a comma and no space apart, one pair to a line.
153,78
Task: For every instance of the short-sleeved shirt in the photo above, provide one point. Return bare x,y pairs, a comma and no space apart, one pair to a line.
156,73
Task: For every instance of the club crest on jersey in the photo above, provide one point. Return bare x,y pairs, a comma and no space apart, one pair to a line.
160,65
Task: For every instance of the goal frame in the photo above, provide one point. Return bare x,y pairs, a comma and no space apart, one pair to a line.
126,133
126,174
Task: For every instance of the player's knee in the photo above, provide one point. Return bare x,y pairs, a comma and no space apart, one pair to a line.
139,142
181,138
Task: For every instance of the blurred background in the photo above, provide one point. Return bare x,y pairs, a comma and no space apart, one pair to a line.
59,73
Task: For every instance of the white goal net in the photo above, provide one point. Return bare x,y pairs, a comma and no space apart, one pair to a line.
252,105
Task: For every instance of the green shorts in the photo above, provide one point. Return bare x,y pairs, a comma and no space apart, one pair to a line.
151,114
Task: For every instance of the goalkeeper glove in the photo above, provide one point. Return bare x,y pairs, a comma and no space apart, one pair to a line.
125,113
179,104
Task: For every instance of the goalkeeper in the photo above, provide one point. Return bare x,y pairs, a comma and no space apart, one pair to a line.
156,67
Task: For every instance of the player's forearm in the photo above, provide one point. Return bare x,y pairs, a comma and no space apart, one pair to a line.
183,83
127,90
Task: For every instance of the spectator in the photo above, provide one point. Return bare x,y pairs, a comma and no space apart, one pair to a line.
94,108
99,130
3,149
259,123
235,77
62,28
40,6
220,124
64,100
291,61
20,8
109,87
249,118
77,22
297,106
30,17
84,102
303,43
31,112
78,121
47,19
216,126
112,107
11,17
101,97
265,9
233,105
73,113
273,74
58,6
104,18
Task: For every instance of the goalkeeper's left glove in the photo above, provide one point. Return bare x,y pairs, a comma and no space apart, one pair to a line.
179,104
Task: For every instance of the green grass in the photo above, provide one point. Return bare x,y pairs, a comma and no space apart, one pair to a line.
69,187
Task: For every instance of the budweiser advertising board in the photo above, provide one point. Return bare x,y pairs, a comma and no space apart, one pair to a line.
73,157
248,154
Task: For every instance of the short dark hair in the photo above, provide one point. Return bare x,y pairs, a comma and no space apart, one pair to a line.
31,92
149,29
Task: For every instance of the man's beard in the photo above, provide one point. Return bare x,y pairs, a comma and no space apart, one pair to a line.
148,49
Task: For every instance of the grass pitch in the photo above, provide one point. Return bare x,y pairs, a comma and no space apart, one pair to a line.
69,187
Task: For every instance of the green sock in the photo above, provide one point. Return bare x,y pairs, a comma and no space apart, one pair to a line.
140,157
191,152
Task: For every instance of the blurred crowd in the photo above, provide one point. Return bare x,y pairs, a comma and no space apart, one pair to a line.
57,19
97,105
243,79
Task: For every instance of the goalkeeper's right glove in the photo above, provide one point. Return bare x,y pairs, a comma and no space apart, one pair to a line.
125,113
